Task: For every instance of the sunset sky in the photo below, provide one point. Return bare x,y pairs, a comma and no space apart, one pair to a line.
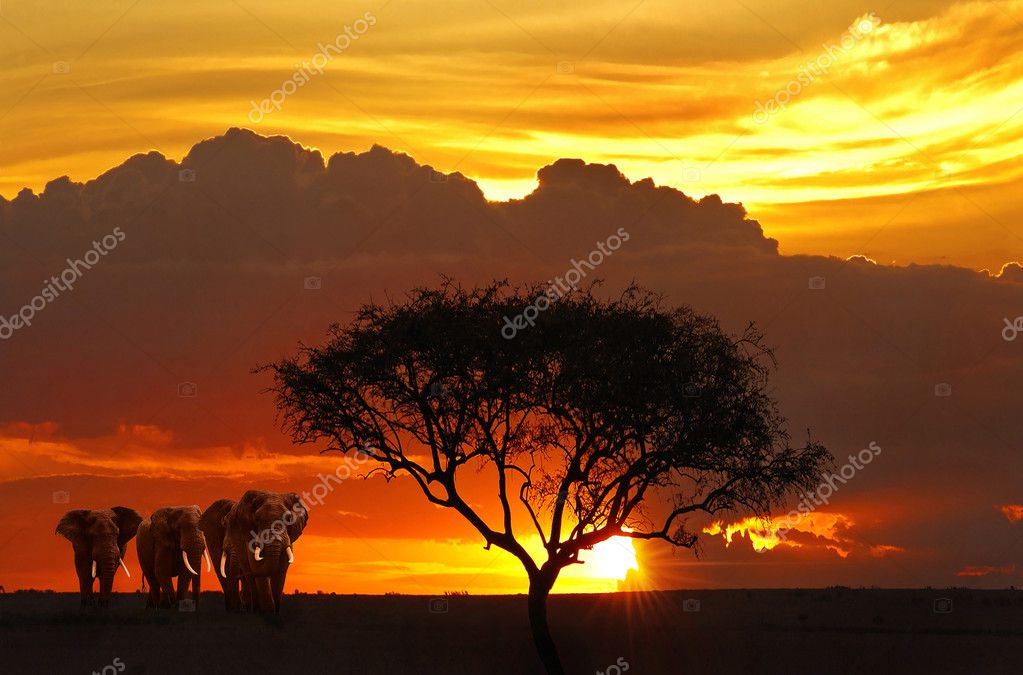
915,126
889,132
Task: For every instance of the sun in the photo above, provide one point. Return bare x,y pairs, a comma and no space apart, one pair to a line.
611,559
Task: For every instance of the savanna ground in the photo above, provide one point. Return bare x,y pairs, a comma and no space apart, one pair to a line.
834,630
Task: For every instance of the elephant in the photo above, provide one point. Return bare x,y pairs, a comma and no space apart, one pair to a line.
170,544
99,538
261,530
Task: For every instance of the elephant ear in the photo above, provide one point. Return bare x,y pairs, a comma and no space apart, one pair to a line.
298,507
127,521
214,519
74,525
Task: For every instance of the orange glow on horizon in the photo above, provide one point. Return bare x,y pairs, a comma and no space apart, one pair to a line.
347,548
763,534
1012,512
985,570
768,534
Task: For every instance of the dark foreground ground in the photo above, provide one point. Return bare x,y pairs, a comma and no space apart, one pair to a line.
754,632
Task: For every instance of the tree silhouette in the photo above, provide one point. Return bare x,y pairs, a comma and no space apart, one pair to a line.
605,417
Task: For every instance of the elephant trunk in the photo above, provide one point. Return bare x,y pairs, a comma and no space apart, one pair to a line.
268,557
234,563
105,564
192,547
272,554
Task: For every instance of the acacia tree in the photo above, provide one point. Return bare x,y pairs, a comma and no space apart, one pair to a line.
606,417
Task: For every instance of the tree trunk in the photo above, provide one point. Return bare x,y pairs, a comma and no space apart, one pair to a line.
539,588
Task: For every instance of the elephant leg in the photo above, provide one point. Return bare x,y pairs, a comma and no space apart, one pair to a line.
165,577
83,567
277,587
236,593
232,599
183,580
256,593
149,577
225,586
247,600
234,584
262,593
153,599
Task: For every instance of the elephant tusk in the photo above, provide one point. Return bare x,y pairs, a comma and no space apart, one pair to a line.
121,560
184,556
206,555
291,555
258,553
223,564
93,569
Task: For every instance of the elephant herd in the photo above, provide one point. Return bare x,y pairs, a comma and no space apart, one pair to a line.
252,540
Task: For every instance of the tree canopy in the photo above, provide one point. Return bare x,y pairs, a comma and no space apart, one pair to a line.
600,417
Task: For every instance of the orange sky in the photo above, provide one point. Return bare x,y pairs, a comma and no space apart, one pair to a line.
906,150
912,127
